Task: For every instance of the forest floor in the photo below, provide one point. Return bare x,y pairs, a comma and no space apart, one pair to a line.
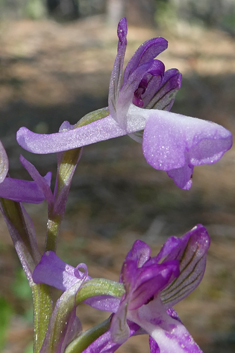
51,72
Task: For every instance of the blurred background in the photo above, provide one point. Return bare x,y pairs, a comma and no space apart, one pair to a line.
56,57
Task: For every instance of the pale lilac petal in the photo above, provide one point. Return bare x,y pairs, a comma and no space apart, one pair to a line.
173,141
170,334
4,163
100,130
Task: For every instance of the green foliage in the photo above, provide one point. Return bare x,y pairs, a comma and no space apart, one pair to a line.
22,291
21,287
166,14
34,9
29,348
6,311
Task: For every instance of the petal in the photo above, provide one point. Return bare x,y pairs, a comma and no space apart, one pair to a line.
116,75
170,246
41,182
154,347
191,254
104,302
119,328
128,89
140,251
146,52
105,344
4,163
150,281
182,176
172,141
163,97
169,334
99,130
21,191
53,271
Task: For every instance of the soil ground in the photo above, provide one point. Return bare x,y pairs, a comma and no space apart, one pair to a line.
51,72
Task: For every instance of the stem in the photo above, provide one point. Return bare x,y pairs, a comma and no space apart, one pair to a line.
67,162
42,305
99,286
86,338
24,240
52,232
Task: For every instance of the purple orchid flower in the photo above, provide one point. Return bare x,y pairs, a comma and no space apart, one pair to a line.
152,286
140,100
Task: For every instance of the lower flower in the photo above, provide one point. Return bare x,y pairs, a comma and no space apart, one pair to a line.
152,285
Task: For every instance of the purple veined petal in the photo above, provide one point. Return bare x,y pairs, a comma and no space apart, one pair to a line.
53,271
21,191
127,91
150,84
172,245
146,52
4,163
116,75
173,141
169,333
163,98
192,259
42,183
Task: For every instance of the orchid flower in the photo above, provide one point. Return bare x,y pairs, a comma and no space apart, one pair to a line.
139,101
152,285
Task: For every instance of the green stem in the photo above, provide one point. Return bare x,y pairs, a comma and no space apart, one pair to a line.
99,286
87,337
42,304
52,232
66,167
